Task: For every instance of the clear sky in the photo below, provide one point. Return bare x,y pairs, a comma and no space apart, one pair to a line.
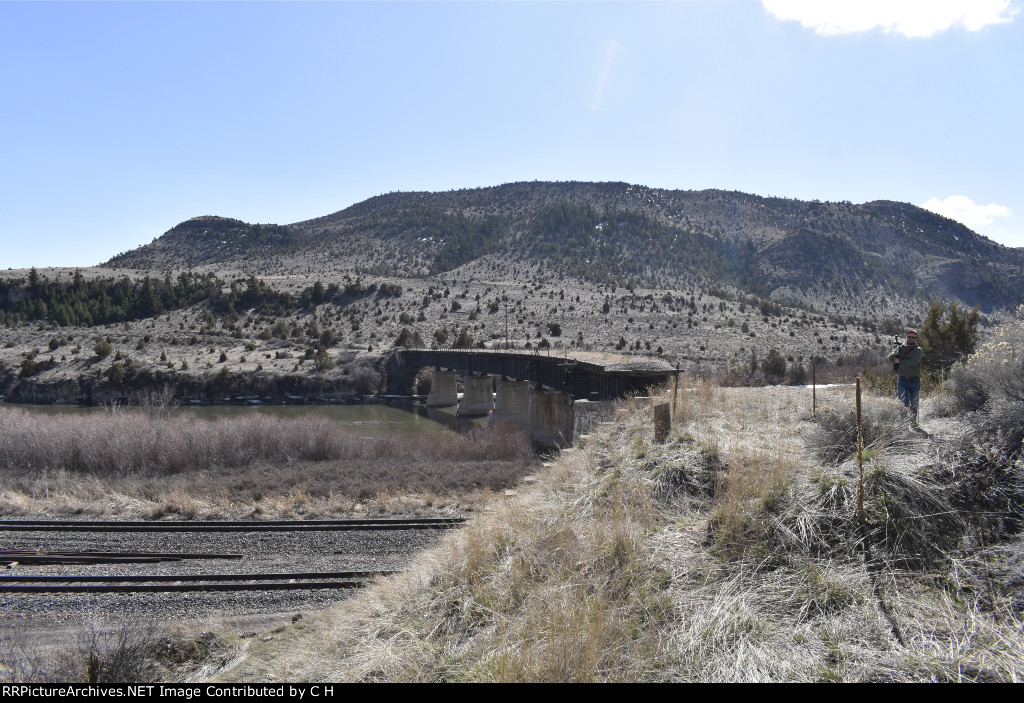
119,120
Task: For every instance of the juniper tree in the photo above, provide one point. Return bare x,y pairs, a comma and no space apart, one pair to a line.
948,336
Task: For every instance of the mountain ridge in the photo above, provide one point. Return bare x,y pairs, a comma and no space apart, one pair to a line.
625,234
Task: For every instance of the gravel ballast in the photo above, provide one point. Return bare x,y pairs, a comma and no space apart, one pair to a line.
262,552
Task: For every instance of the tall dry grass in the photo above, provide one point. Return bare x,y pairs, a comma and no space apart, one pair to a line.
128,441
553,584
144,465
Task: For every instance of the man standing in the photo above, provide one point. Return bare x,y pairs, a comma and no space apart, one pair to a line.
907,359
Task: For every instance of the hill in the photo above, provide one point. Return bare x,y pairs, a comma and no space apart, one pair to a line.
614,233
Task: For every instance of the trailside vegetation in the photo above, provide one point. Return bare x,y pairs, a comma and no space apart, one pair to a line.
948,336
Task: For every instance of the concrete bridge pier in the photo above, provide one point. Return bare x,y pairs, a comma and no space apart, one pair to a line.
443,392
551,418
477,396
513,403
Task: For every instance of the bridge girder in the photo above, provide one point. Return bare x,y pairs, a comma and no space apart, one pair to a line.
579,379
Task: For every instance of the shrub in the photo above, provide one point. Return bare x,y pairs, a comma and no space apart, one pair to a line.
322,361
93,656
464,340
409,338
948,337
774,365
995,373
366,381
116,374
103,349
990,468
797,374
879,383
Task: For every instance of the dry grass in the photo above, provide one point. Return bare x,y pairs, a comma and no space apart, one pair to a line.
728,553
554,584
137,464
94,654
126,441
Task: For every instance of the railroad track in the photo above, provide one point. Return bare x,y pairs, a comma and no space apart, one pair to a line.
227,525
138,583
169,583
27,558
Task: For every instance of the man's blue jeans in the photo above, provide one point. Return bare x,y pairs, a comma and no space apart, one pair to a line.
907,390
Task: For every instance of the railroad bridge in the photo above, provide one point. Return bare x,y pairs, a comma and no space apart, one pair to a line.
546,410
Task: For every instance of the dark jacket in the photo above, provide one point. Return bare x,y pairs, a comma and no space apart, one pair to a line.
910,361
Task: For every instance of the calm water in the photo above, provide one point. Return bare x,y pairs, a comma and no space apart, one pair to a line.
367,420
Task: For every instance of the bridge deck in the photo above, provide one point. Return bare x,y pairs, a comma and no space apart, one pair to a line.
580,379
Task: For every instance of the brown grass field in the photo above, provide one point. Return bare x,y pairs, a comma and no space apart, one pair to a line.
134,464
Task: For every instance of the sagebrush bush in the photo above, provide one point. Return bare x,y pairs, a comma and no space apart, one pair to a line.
986,465
994,374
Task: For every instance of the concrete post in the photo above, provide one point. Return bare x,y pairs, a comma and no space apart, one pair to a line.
477,396
443,392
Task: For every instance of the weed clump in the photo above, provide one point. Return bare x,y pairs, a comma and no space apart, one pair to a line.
883,421
911,516
124,654
692,472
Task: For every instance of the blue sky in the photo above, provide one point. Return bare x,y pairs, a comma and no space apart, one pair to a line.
119,120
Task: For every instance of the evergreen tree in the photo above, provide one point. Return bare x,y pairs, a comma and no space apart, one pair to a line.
948,336
774,365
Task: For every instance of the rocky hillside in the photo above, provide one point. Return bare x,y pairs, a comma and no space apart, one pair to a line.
616,233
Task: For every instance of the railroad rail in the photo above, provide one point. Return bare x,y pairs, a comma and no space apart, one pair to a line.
171,583
138,583
228,525
28,558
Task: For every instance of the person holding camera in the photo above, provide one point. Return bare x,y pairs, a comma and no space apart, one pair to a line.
906,360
